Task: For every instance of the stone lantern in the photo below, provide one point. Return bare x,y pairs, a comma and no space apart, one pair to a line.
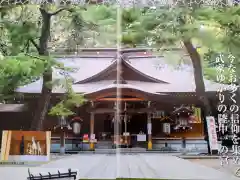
62,127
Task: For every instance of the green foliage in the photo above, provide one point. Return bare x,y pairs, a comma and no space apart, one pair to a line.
19,26
130,16
98,13
20,31
215,30
68,102
60,110
211,73
25,29
97,26
227,23
18,70
102,28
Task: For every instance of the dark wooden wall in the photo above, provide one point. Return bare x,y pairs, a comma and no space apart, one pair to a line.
22,120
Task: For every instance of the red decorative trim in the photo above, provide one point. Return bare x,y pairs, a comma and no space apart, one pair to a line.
77,118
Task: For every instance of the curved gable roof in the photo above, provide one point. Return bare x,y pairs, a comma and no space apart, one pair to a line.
127,70
152,68
124,87
85,67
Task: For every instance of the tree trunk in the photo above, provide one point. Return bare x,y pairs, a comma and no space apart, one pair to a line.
238,93
199,82
45,96
62,141
43,103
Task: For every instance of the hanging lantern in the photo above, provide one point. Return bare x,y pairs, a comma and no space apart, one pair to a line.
76,125
167,128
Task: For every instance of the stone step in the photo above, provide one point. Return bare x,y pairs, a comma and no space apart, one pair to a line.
104,145
121,150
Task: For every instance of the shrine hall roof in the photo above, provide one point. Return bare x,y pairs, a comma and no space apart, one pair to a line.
177,80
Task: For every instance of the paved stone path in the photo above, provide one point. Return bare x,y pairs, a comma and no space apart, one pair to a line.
230,168
138,166
100,166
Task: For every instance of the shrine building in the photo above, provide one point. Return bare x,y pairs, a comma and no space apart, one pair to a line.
135,99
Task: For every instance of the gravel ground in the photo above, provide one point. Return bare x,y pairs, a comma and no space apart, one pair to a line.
230,168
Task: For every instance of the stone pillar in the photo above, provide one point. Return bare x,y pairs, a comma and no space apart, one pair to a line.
149,128
91,130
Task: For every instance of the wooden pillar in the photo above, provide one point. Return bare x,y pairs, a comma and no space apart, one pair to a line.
92,117
125,131
91,130
149,128
125,125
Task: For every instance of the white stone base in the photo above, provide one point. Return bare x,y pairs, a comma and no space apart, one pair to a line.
62,150
28,158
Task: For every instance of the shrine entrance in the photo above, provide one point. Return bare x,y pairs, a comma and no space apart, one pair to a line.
128,116
136,125
128,125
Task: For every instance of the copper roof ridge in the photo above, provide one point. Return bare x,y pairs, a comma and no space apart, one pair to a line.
114,49
111,52
108,56
124,49
84,56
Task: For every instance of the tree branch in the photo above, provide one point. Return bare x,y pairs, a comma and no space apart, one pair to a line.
35,44
58,11
69,9
36,57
